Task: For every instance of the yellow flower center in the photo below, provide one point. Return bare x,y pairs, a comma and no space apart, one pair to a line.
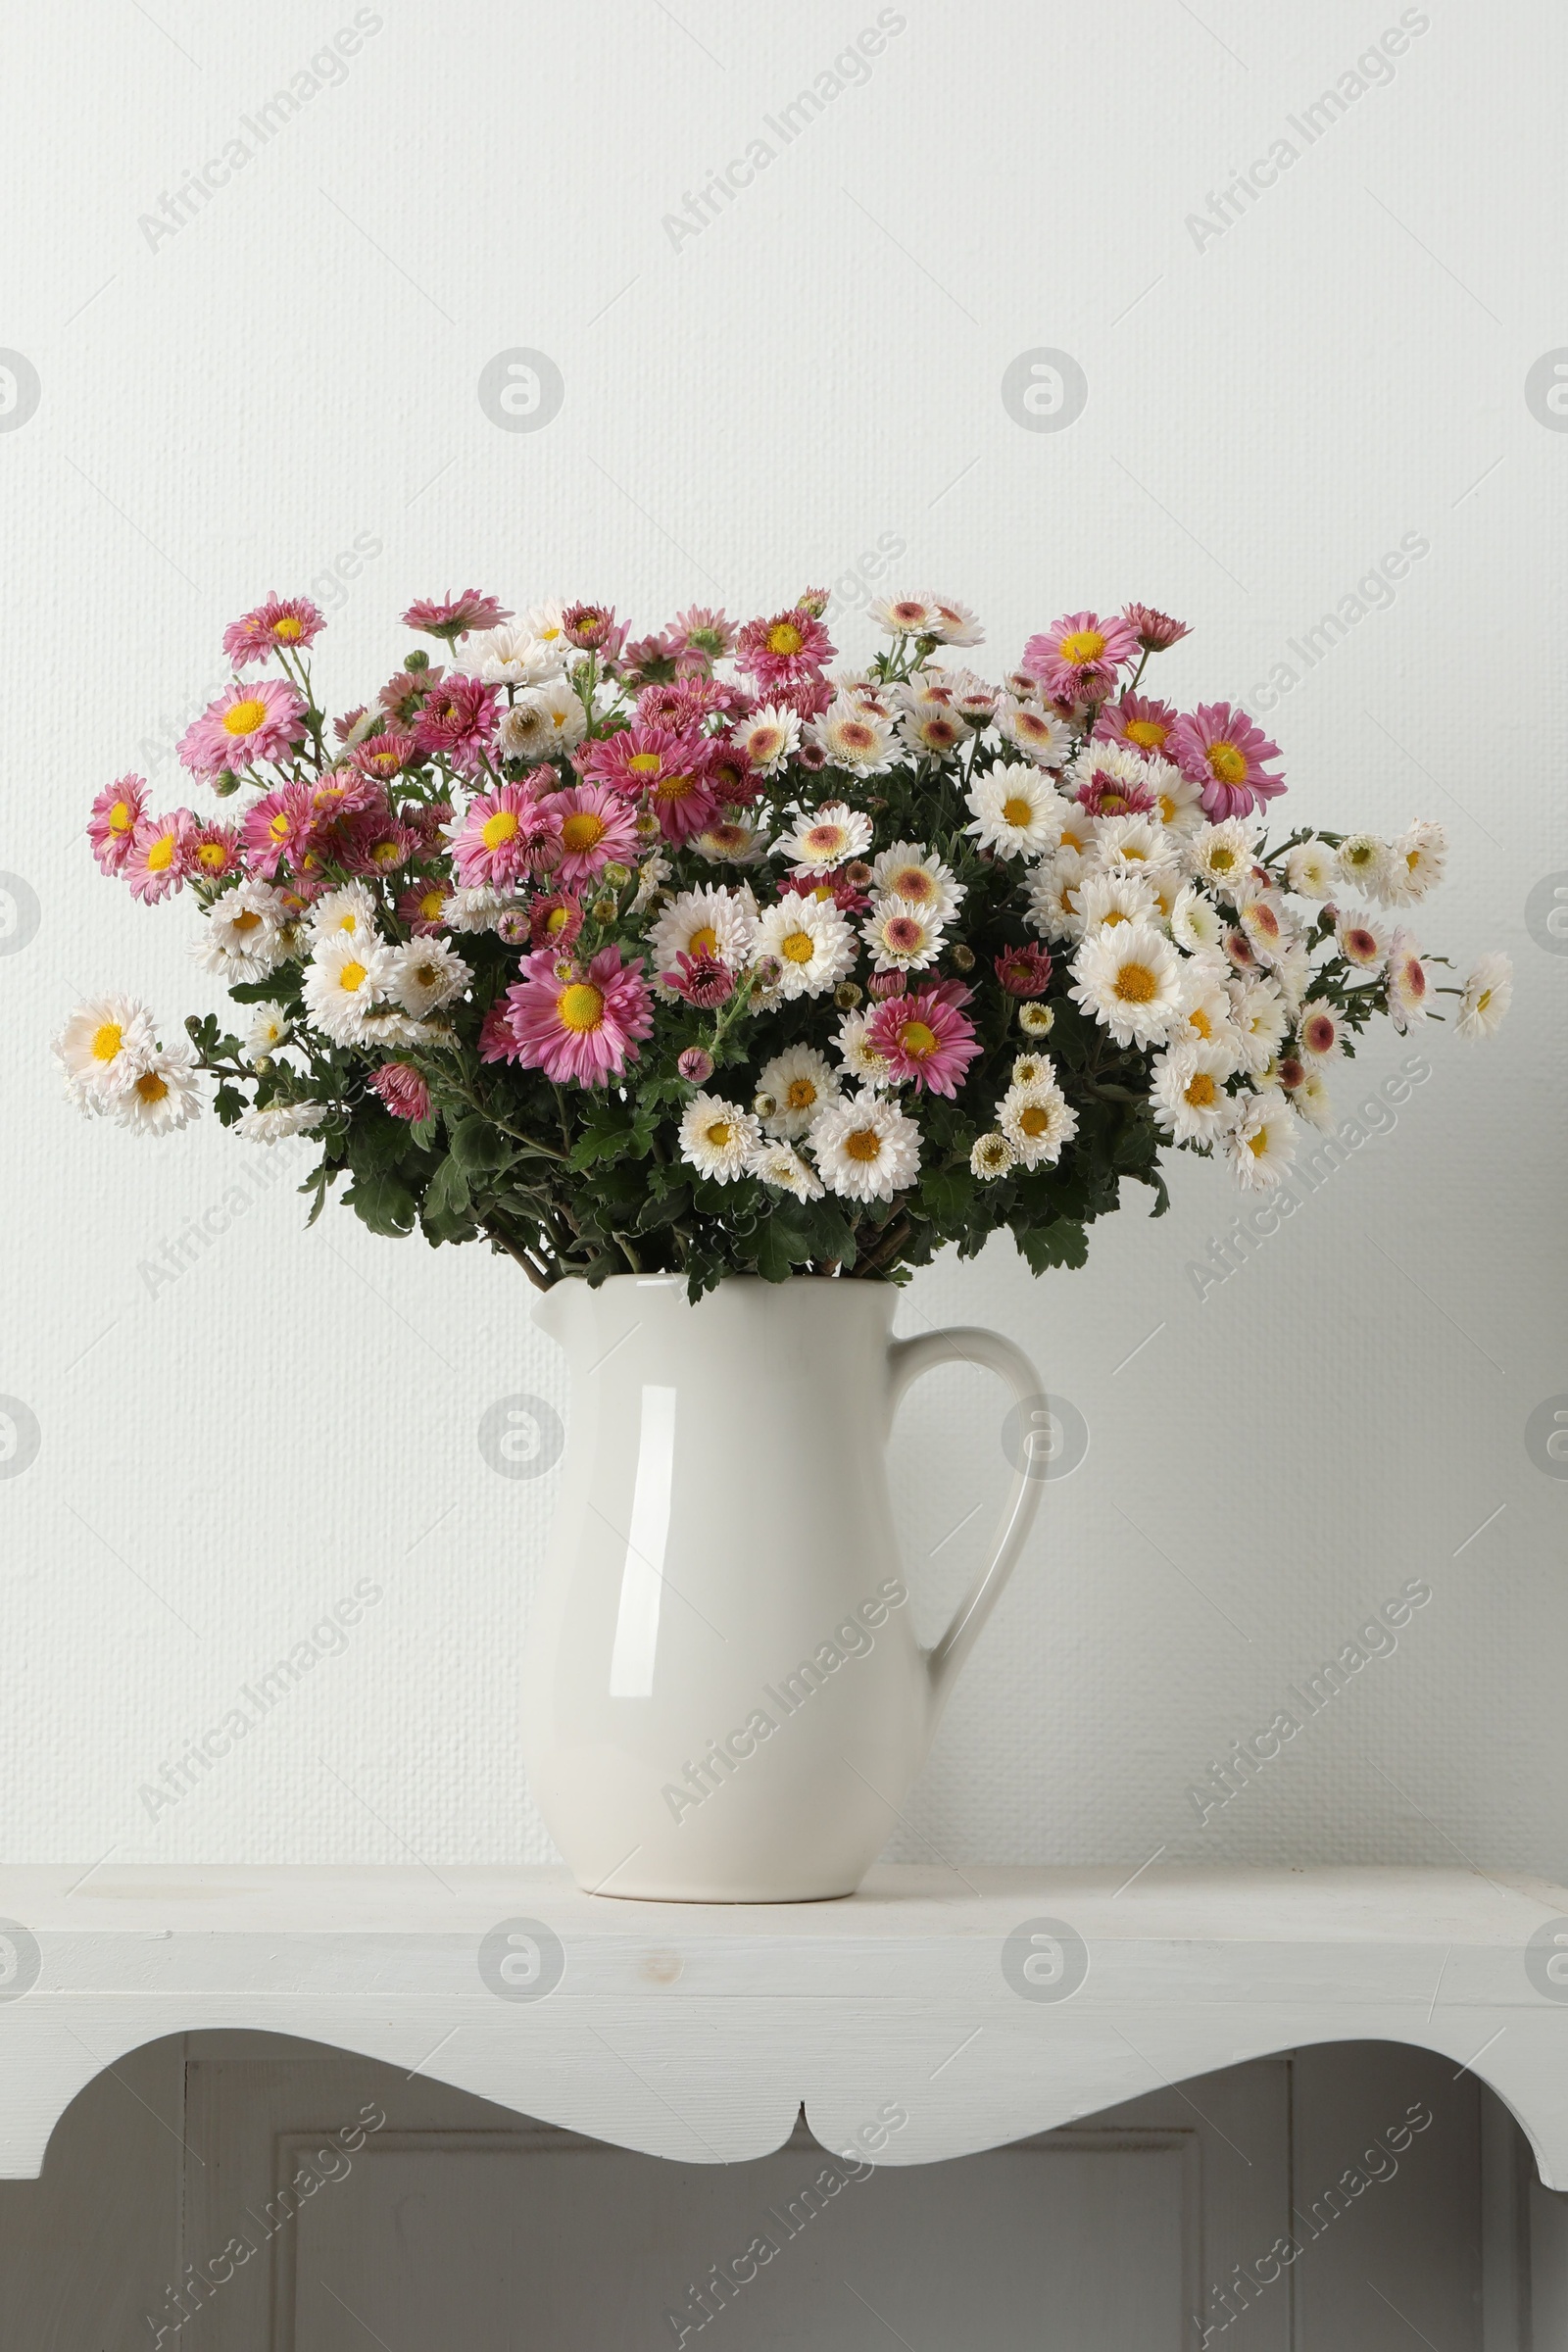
911,882
674,788
277,825
386,852
499,829
1149,734
863,1143
431,902
582,829
352,976
1082,644
580,1007
1033,1119
243,718
161,854
1072,841
1257,1143
1226,763
644,764
800,1093
800,946
555,922
150,1087
119,817
784,638
1167,807
106,1041
1109,921
917,1039
287,629
1136,984
1017,810
1221,859
703,941
245,921
1484,999
718,1134
1198,1019
1200,1092
212,855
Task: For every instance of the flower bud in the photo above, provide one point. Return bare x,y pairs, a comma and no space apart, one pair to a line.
224,782
694,1066
765,1106
962,957
605,911
417,660
1037,1020
858,872
888,984
615,876
847,996
770,971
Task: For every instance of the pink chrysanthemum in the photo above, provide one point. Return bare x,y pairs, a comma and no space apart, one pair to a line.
384,755
277,828
407,691
1106,793
924,1038
703,979
579,1025
115,813
1138,719
1220,749
246,723
790,648
458,724
1077,657
450,616
216,852
1155,631
402,1090
596,826
280,624
1025,971
429,819
589,626
342,793
161,851
375,842
701,630
553,921
496,1041
503,836
695,1066
731,778
665,771
423,908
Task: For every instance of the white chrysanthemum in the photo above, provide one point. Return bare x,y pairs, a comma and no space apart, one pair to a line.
811,941
1488,995
1038,1122
1361,942
1222,855
513,655
1363,861
851,736
801,1082
779,1165
934,732
1039,734
1312,870
1187,1092
902,936
651,875
351,911
1415,865
819,840
240,938
903,616
865,1148
708,921
879,696
280,1122
1037,1020
770,737
1017,811
1261,1142
1262,1017
1179,799
541,721
717,1138
1206,1011
1055,896
733,842
163,1096
1129,978
910,871
1313,1102
1115,897
1120,841
1409,983
425,973
1317,1030
269,1026
1033,1069
547,622
103,1045
858,1056
477,906
1293,969
992,1156
342,981
952,623
1263,922
388,1025
974,698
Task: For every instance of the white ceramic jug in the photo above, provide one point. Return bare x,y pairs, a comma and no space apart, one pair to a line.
725,1701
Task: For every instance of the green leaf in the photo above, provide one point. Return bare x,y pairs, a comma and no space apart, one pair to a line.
376,1141
446,1212
1063,1242
948,1194
783,1241
479,1147
382,1203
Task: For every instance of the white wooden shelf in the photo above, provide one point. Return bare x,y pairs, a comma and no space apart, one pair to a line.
699,2033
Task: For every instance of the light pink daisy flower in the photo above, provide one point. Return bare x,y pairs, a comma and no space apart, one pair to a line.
216,852
343,792
925,1038
246,723
115,813
458,724
1409,989
402,1090
374,843
1154,630
382,757
1139,719
701,630
161,853
669,771
1078,656
1220,749
423,908
553,921
790,648
279,624
1025,971
503,836
579,1025
596,828
592,630
277,828
450,616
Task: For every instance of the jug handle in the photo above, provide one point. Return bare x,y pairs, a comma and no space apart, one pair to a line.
969,1344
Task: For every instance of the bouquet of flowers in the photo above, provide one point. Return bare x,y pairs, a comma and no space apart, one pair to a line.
679,954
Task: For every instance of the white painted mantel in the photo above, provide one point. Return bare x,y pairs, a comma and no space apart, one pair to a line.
699,2033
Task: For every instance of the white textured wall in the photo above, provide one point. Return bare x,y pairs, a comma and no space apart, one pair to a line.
292,375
